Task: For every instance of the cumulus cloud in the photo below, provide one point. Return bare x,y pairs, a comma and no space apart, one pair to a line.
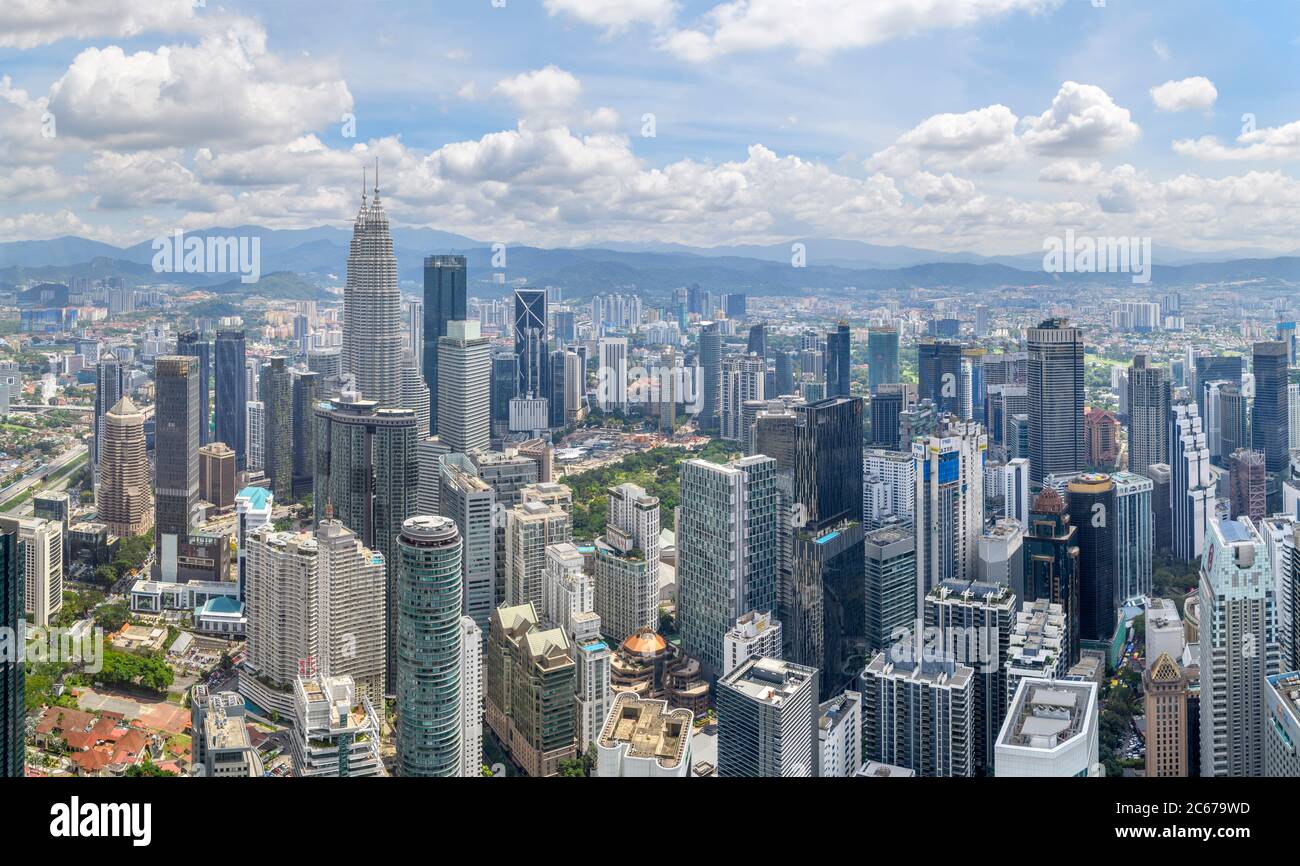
1083,120
1269,143
818,28
31,23
979,140
226,90
546,95
1196,92
615,15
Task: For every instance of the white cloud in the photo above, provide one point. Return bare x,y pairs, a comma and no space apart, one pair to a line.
31,23
1160,49
818,28
227,89
1082,121
1070,171
979,140
615,15
1196,92
546,95
1269,143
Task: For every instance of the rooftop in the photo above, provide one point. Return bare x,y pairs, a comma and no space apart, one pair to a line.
1045,714
649,729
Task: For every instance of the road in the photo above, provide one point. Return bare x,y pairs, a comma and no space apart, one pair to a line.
38,475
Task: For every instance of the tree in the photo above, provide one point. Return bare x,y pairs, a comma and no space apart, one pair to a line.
106,575
147,768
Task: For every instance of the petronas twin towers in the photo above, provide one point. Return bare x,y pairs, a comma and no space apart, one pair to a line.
372,307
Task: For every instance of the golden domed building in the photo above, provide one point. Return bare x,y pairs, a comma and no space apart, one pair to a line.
650,667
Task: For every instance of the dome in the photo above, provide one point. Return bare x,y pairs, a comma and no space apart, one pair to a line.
645,642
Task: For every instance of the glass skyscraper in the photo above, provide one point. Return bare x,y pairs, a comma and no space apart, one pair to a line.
1055,399
882,357
192,344
232,395
428,605
444,301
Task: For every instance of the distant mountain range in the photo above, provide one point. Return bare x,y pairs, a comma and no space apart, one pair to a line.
304,259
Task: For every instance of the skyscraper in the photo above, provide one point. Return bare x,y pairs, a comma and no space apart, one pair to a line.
949,513
276,387
176,469
882,357
918,714
1094,513
939,372
470,502
193,344
627,564
1164,687
1239,648
232,395
366,472
1271,416
710,362
125,501
767,720
305,395
372,307
839,364
1056,392
13,700
531,341
464,385
1052,562
444,301
354,608
727,557
110,386
1191,483
504,387
1135,539
429,719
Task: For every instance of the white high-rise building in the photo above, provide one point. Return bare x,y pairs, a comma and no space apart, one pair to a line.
531,527
754,634
43,569
1239,647
839,736
611,388
372,308
1135,536
428,454
336,729
1015,490
471,697
1282,533
353,617
627,564
644,738
1191,482
949,503
415,393
282,603
255,433
592,692
1050,731
567,589
464,385
253,507
888,488
1293,416
742,380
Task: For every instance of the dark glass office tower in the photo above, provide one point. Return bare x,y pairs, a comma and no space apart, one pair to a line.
232,395
1093,512
555,395
13,700
784,373
1055,399
306,394
1223,368
711,373
1149,400
444,301
938,369
887,407
1052,562
758,340
504,388
192,344
277,419
530,341
1269,429
882,357
828,459
176,456
839,364
110,385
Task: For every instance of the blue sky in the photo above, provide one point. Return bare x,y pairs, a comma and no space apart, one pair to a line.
985,125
